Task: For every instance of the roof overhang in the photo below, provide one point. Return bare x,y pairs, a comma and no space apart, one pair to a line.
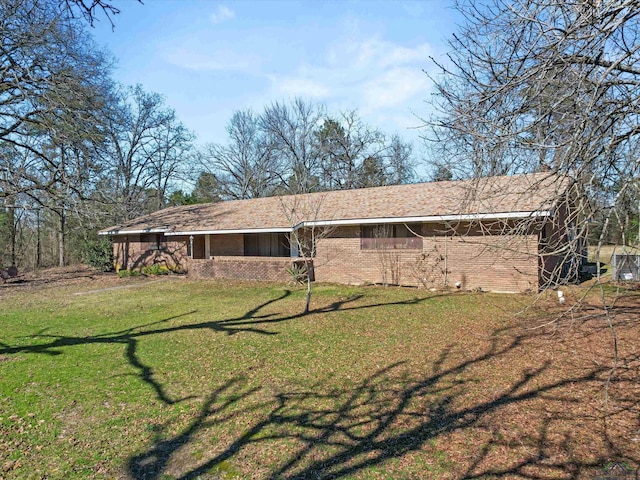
238,230
133,231
427,219
360,221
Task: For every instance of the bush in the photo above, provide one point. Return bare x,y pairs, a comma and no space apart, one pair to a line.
98,252
156,269
128,273
298,273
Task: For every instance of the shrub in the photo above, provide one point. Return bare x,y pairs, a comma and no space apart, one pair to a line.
128,273
98,252
156,269
298,273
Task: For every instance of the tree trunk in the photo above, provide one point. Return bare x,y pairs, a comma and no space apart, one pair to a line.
38,243
61,235
14,233
306,307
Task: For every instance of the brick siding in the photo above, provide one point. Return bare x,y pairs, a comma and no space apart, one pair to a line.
506,263
271,269
130,253
477,259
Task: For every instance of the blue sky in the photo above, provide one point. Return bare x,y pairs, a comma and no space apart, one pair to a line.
210,58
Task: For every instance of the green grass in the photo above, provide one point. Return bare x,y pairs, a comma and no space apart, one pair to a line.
184,379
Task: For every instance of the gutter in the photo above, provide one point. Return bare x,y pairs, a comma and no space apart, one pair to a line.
427,219
239,230
133,232
346,222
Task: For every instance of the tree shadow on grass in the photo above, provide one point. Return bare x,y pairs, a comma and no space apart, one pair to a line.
152,463
328,432
249,322
130,338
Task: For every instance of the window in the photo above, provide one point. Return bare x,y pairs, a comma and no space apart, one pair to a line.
390,237
266,245
152,241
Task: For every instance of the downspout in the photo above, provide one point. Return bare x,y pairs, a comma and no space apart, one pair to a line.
191,246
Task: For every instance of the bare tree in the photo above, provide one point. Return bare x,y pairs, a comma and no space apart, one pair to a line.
291,131
245,167
296,148
146,148
91,10
170,155
308,228
54,86
400,162
345,144
545,85
52,79
355,155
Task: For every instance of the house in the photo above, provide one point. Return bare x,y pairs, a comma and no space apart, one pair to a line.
510,233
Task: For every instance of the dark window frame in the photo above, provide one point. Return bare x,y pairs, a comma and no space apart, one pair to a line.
268,244
153,241
390,236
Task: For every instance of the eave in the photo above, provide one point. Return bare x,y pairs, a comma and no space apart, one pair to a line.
341,222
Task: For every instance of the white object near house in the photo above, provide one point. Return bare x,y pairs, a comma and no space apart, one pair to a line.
626,267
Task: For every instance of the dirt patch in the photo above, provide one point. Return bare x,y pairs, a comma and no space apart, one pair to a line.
56,277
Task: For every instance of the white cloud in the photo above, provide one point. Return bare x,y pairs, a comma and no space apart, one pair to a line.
394,88
222,14
221,60
376,53
381,79
298,87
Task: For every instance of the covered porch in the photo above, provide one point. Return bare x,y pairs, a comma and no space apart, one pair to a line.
242,255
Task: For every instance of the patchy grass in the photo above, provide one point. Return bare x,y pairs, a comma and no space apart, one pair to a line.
181,379
606,253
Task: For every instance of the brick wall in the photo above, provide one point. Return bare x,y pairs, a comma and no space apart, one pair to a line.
491,262
241,268
474,257
130,253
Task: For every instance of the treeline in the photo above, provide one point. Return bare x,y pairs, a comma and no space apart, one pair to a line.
299,148
79,152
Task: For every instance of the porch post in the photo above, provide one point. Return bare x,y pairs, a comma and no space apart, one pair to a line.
207,246
293,246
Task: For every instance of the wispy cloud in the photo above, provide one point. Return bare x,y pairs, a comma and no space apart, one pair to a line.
222,14
394,88
382,79
380,55
220,60
298,87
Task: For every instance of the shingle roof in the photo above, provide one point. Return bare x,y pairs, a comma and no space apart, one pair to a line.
491,195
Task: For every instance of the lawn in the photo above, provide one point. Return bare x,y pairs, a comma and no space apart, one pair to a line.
606,252
180,379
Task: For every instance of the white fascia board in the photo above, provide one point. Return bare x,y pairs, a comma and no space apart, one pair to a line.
239,230
134,232
346,222
427,219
